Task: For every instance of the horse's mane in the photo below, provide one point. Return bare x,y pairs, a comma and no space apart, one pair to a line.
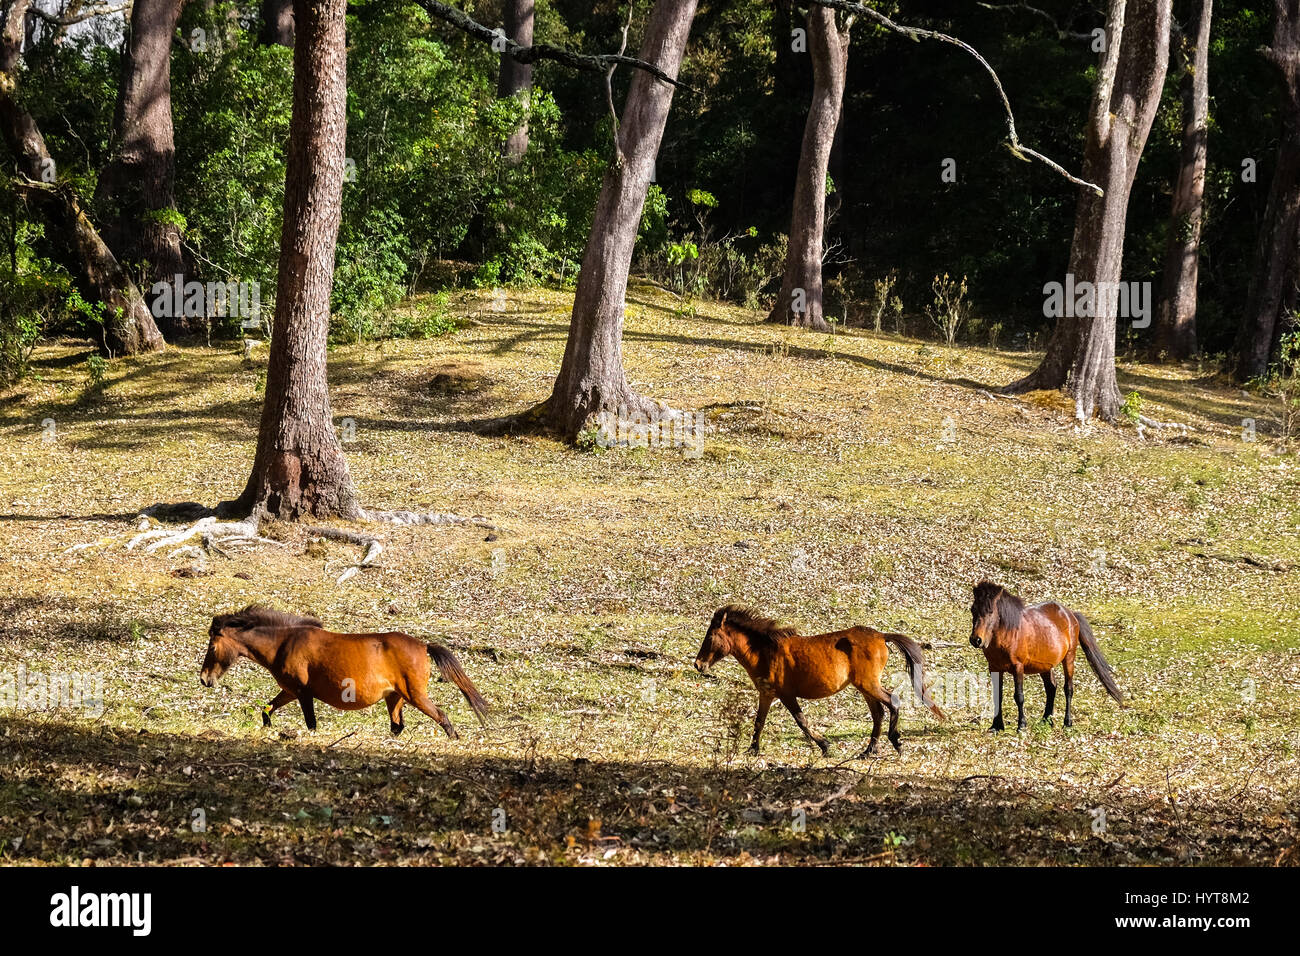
761,630
991,597
258,615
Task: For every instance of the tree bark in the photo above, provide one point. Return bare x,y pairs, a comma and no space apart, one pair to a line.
1081,352
1176,323
591,377
800,300
516,79
135,193
299,468
128,328
1275,288
277,23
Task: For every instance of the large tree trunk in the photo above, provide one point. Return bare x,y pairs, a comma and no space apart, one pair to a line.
128,328
591,378
299,468
1176,324
135,194
277,23
516,78
1081,352
800,300
1275,289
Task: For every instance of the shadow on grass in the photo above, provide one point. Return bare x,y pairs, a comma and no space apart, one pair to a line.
422,799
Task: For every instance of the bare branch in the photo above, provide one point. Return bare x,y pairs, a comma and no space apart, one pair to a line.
586,62
1034,11
1018,149
609,88
69,19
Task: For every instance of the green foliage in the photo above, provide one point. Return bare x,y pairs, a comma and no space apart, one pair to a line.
1131,410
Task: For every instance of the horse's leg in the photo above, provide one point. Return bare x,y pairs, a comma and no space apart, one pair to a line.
882,700
764,702
1069,689
792,705
877,715
1049,686
308,709
996,678
395,703
278,701
1018,675
427,706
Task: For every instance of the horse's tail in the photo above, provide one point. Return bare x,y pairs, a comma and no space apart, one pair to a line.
452,671
1096,661
915,669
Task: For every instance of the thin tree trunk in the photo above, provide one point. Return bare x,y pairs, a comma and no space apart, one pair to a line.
277,23
516,78
135,194
800,300
1275,289
1176,324
1081,352
299,468
128,328
591,376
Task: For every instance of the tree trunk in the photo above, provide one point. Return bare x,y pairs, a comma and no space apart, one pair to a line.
1176,324
299,468
277,23
516,78
800,300
1081,352
135,194
591,377
128,328
1275,289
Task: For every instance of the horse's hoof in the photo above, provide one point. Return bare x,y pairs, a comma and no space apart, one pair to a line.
266,720
898,745
826,749
997,729
396,728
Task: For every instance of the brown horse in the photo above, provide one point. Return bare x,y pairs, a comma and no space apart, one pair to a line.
346,671
1022,640
785,667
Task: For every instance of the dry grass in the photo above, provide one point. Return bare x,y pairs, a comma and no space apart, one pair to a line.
848,478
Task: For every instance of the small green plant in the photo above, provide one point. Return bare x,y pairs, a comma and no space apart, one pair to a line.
951,308
96,369
1131,410
882,302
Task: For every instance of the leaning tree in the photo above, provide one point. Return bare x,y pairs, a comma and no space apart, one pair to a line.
516,79
127,326
1081,351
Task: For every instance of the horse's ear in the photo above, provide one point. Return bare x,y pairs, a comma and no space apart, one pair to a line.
722,620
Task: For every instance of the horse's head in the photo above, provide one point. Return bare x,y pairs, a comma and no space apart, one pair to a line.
224,649
984,613
717,642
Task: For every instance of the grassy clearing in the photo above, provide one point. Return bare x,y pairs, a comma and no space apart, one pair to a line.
845,478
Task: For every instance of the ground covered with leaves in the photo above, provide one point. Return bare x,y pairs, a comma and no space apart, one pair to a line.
848,478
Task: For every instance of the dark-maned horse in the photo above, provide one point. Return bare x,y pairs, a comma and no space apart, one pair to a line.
346,671
785,666
1020,640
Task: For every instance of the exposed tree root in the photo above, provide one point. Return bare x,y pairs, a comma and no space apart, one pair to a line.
208,533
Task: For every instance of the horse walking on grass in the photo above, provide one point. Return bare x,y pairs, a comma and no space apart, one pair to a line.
1020,640
785,666
346,671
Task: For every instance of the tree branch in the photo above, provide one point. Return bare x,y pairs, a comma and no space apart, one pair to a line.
67,20
1018,149
585,62
1026,8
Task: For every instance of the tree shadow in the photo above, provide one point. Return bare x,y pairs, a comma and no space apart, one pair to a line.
320,799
